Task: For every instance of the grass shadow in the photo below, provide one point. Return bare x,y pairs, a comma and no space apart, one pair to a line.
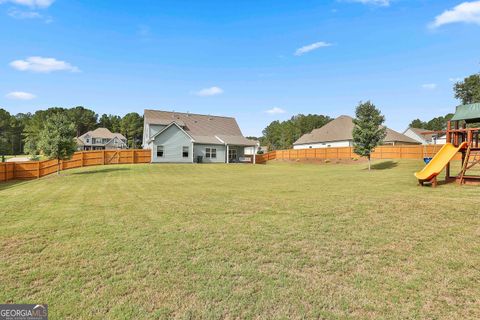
12,183
100,171
385,165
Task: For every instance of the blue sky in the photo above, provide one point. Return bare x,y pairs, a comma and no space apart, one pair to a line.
255,60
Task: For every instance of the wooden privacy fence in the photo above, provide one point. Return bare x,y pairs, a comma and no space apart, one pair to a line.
37,169
382,152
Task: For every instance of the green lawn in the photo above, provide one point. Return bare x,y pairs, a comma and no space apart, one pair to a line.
282,240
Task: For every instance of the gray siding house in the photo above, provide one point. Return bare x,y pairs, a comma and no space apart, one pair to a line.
188,138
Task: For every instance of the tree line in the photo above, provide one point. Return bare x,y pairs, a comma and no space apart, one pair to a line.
467,91
21,133
282,134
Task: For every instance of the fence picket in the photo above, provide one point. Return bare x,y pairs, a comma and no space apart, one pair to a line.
381,152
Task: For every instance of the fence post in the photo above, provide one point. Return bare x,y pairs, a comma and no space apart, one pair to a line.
82,159
133,155
103,153
38,169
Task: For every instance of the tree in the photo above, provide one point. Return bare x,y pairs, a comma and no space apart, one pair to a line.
468,90
19,122
368,131
417,123
132,128
282,135
83,119
435,124
111,122
5,118
57,138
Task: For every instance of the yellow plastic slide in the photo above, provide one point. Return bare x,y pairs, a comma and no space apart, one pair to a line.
439,161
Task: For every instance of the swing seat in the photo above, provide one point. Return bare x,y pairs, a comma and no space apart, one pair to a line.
427,159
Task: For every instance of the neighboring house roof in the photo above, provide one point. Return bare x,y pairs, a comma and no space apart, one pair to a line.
104,133
100,133
202,128
341,129
427,137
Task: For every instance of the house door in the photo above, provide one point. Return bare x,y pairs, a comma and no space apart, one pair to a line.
232,155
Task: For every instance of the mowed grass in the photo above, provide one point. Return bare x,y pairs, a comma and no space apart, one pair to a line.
283,240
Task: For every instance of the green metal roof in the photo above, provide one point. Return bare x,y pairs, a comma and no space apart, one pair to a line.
468,112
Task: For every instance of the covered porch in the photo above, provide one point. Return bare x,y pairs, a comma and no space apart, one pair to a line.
239,149
237,154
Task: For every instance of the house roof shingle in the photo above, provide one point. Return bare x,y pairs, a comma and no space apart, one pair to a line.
340,129
103,133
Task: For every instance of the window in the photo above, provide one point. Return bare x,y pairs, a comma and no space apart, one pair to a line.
185,152
159,151
88,140
211,153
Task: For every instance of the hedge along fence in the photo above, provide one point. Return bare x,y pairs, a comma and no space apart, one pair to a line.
342,153
36,169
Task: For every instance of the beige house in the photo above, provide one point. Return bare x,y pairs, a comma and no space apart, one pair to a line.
101,139
338,133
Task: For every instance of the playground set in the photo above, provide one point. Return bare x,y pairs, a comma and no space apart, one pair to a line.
460,137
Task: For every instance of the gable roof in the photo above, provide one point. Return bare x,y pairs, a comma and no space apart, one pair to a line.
101,133
174,123
428,137
341,129
202,128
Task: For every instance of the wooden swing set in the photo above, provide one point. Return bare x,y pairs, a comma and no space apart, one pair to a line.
466,139
470,151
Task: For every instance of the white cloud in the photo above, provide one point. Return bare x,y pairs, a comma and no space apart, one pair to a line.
374,2
207,92
20,95
275,110
19,14
455,79
311,47
30,3
429,86
466,12
41,64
